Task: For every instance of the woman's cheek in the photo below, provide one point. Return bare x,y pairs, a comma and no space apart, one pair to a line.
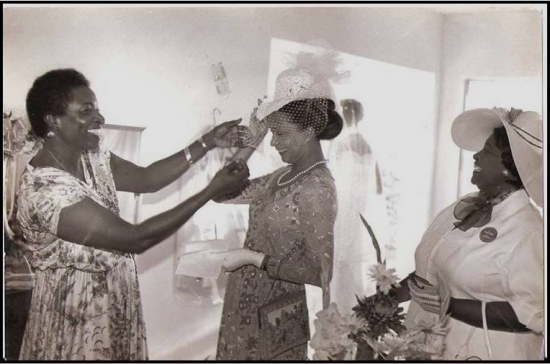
81,121
298,140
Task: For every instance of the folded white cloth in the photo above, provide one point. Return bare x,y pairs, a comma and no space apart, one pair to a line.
203,263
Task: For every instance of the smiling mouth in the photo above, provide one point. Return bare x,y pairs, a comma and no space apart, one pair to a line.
477,169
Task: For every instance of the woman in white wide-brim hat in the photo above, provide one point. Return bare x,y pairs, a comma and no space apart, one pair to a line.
289,242
481,259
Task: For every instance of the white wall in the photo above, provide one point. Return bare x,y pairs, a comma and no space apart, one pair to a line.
151,68
491,44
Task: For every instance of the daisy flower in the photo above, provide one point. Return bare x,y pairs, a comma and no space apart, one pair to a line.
385,278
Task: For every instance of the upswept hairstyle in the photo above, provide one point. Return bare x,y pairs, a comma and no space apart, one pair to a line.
305,110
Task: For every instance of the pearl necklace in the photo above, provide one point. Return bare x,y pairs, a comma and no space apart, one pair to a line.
279,183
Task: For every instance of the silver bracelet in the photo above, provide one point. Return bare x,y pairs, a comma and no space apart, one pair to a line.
187,153
200,140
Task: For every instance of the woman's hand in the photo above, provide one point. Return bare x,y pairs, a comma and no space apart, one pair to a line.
236,258
253,135
230,178
225,135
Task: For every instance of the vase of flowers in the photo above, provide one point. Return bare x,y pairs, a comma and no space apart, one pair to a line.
18,141
374,329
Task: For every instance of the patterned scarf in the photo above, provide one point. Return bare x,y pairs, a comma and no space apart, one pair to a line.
476,211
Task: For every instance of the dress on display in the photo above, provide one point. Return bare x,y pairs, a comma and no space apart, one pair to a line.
359,189
500,261
294,226
86,302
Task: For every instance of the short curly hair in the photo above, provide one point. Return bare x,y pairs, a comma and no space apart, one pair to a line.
503,143
50,94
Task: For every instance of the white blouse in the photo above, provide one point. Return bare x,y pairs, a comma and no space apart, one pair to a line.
500,261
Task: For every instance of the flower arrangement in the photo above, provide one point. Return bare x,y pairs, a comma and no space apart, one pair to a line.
333,338
375,330
18,140
18,137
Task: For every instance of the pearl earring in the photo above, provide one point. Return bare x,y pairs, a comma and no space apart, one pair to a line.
506,173
50,134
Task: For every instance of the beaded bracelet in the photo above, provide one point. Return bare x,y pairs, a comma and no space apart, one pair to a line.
187,153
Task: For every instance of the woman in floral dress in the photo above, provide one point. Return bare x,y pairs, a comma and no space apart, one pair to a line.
86,302
289,242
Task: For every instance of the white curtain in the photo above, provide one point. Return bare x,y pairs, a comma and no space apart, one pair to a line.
124,141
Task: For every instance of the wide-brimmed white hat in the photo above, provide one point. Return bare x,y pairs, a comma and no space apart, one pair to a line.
471,129
309,75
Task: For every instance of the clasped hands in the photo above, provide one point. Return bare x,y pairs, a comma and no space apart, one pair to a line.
230,178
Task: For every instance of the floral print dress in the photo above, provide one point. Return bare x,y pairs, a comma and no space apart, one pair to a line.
86,302
294,226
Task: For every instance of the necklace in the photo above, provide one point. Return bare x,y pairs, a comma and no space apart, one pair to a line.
79,166
279,183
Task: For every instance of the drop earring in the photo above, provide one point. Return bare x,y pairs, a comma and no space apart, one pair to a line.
50,134
506,173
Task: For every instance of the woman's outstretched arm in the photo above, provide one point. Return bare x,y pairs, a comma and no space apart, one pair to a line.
130,177
88,223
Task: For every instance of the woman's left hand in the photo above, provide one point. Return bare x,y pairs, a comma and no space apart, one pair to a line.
225,135
236,258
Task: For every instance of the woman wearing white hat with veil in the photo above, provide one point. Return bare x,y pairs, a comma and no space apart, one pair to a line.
481,259
289,242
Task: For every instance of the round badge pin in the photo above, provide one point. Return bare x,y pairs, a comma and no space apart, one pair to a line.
488,234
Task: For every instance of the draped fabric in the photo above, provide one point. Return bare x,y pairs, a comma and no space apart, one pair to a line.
226,231
125,143
476,210
359,190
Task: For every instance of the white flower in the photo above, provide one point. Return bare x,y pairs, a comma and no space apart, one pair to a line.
394,342
353,322
321,355
332,331
378,346
385,278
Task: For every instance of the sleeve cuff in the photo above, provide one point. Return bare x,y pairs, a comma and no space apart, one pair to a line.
536,322
532,320
263,265
272,266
